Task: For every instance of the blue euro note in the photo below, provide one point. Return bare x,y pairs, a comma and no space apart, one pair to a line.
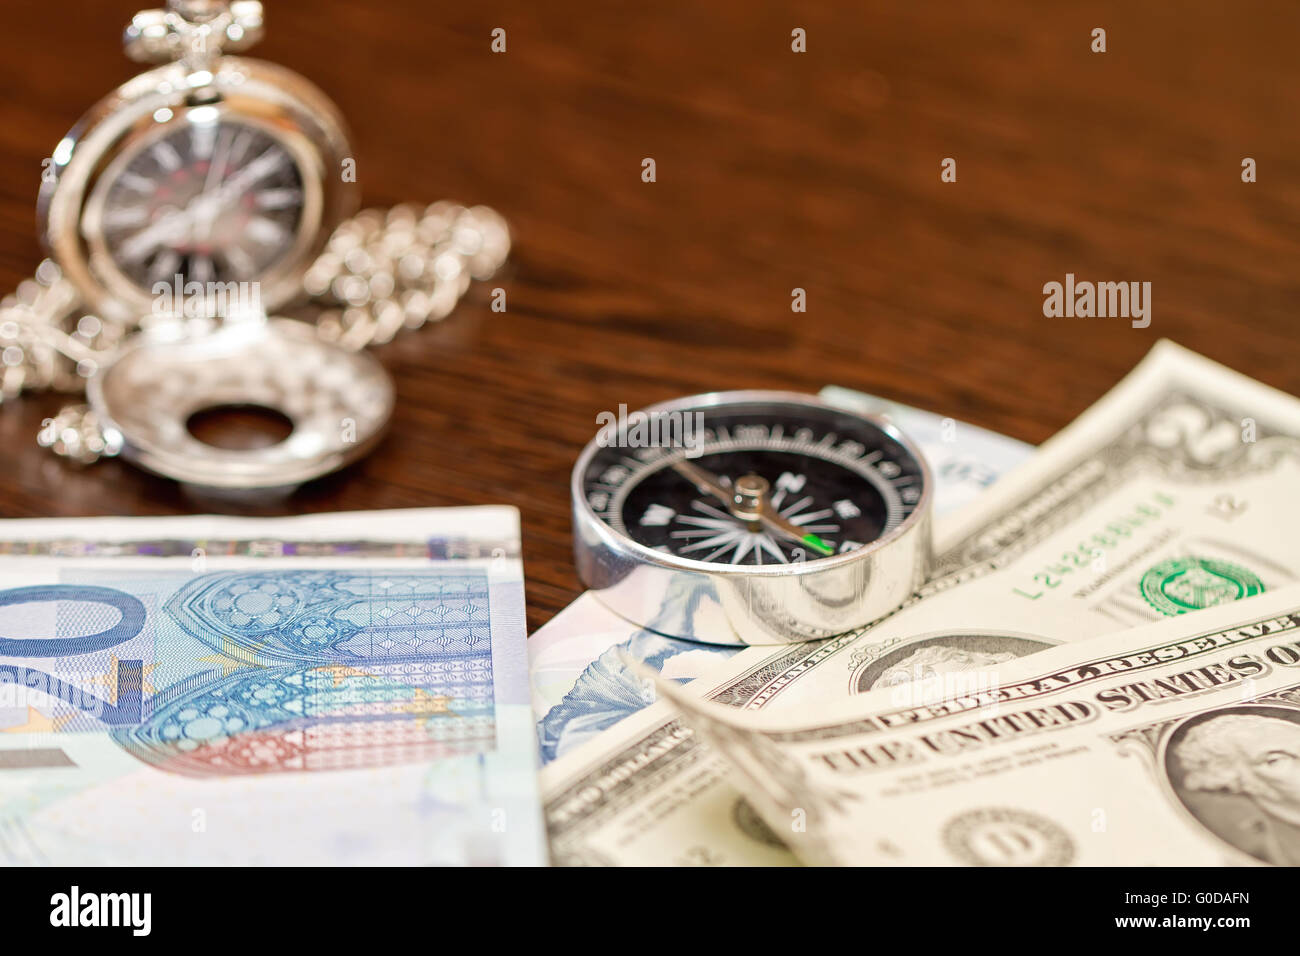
344,702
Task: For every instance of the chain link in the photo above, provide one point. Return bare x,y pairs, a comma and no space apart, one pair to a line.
381,271
385,271
44,342
76,434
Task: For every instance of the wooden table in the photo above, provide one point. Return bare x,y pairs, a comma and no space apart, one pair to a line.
775,170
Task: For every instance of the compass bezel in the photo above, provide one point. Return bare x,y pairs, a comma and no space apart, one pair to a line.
639,582
799,399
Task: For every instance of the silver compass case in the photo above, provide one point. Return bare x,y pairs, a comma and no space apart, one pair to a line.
768,604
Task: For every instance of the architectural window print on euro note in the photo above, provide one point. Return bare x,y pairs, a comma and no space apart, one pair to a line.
291,670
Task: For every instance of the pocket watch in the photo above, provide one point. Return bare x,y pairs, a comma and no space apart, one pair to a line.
184,208
751,517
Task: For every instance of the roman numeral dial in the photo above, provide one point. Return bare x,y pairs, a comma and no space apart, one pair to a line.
212,201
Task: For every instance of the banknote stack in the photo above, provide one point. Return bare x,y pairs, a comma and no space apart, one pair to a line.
1103,669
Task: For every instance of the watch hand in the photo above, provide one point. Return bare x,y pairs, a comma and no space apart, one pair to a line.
206,206
157,232
246,178
216,169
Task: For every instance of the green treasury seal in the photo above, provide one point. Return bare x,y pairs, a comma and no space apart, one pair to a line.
1180,585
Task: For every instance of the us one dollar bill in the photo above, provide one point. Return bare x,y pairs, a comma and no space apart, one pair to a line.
1172,494
341,689
581,680
1175,743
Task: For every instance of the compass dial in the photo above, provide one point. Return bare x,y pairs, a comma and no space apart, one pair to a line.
753,483
213,201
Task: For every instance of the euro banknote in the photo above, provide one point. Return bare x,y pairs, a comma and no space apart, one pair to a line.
1174,493
341,689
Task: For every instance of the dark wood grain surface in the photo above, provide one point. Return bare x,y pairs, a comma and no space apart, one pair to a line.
775,170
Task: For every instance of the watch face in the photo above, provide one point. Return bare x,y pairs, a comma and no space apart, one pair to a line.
765,482
209,201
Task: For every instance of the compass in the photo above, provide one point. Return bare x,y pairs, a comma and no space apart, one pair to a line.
751,517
